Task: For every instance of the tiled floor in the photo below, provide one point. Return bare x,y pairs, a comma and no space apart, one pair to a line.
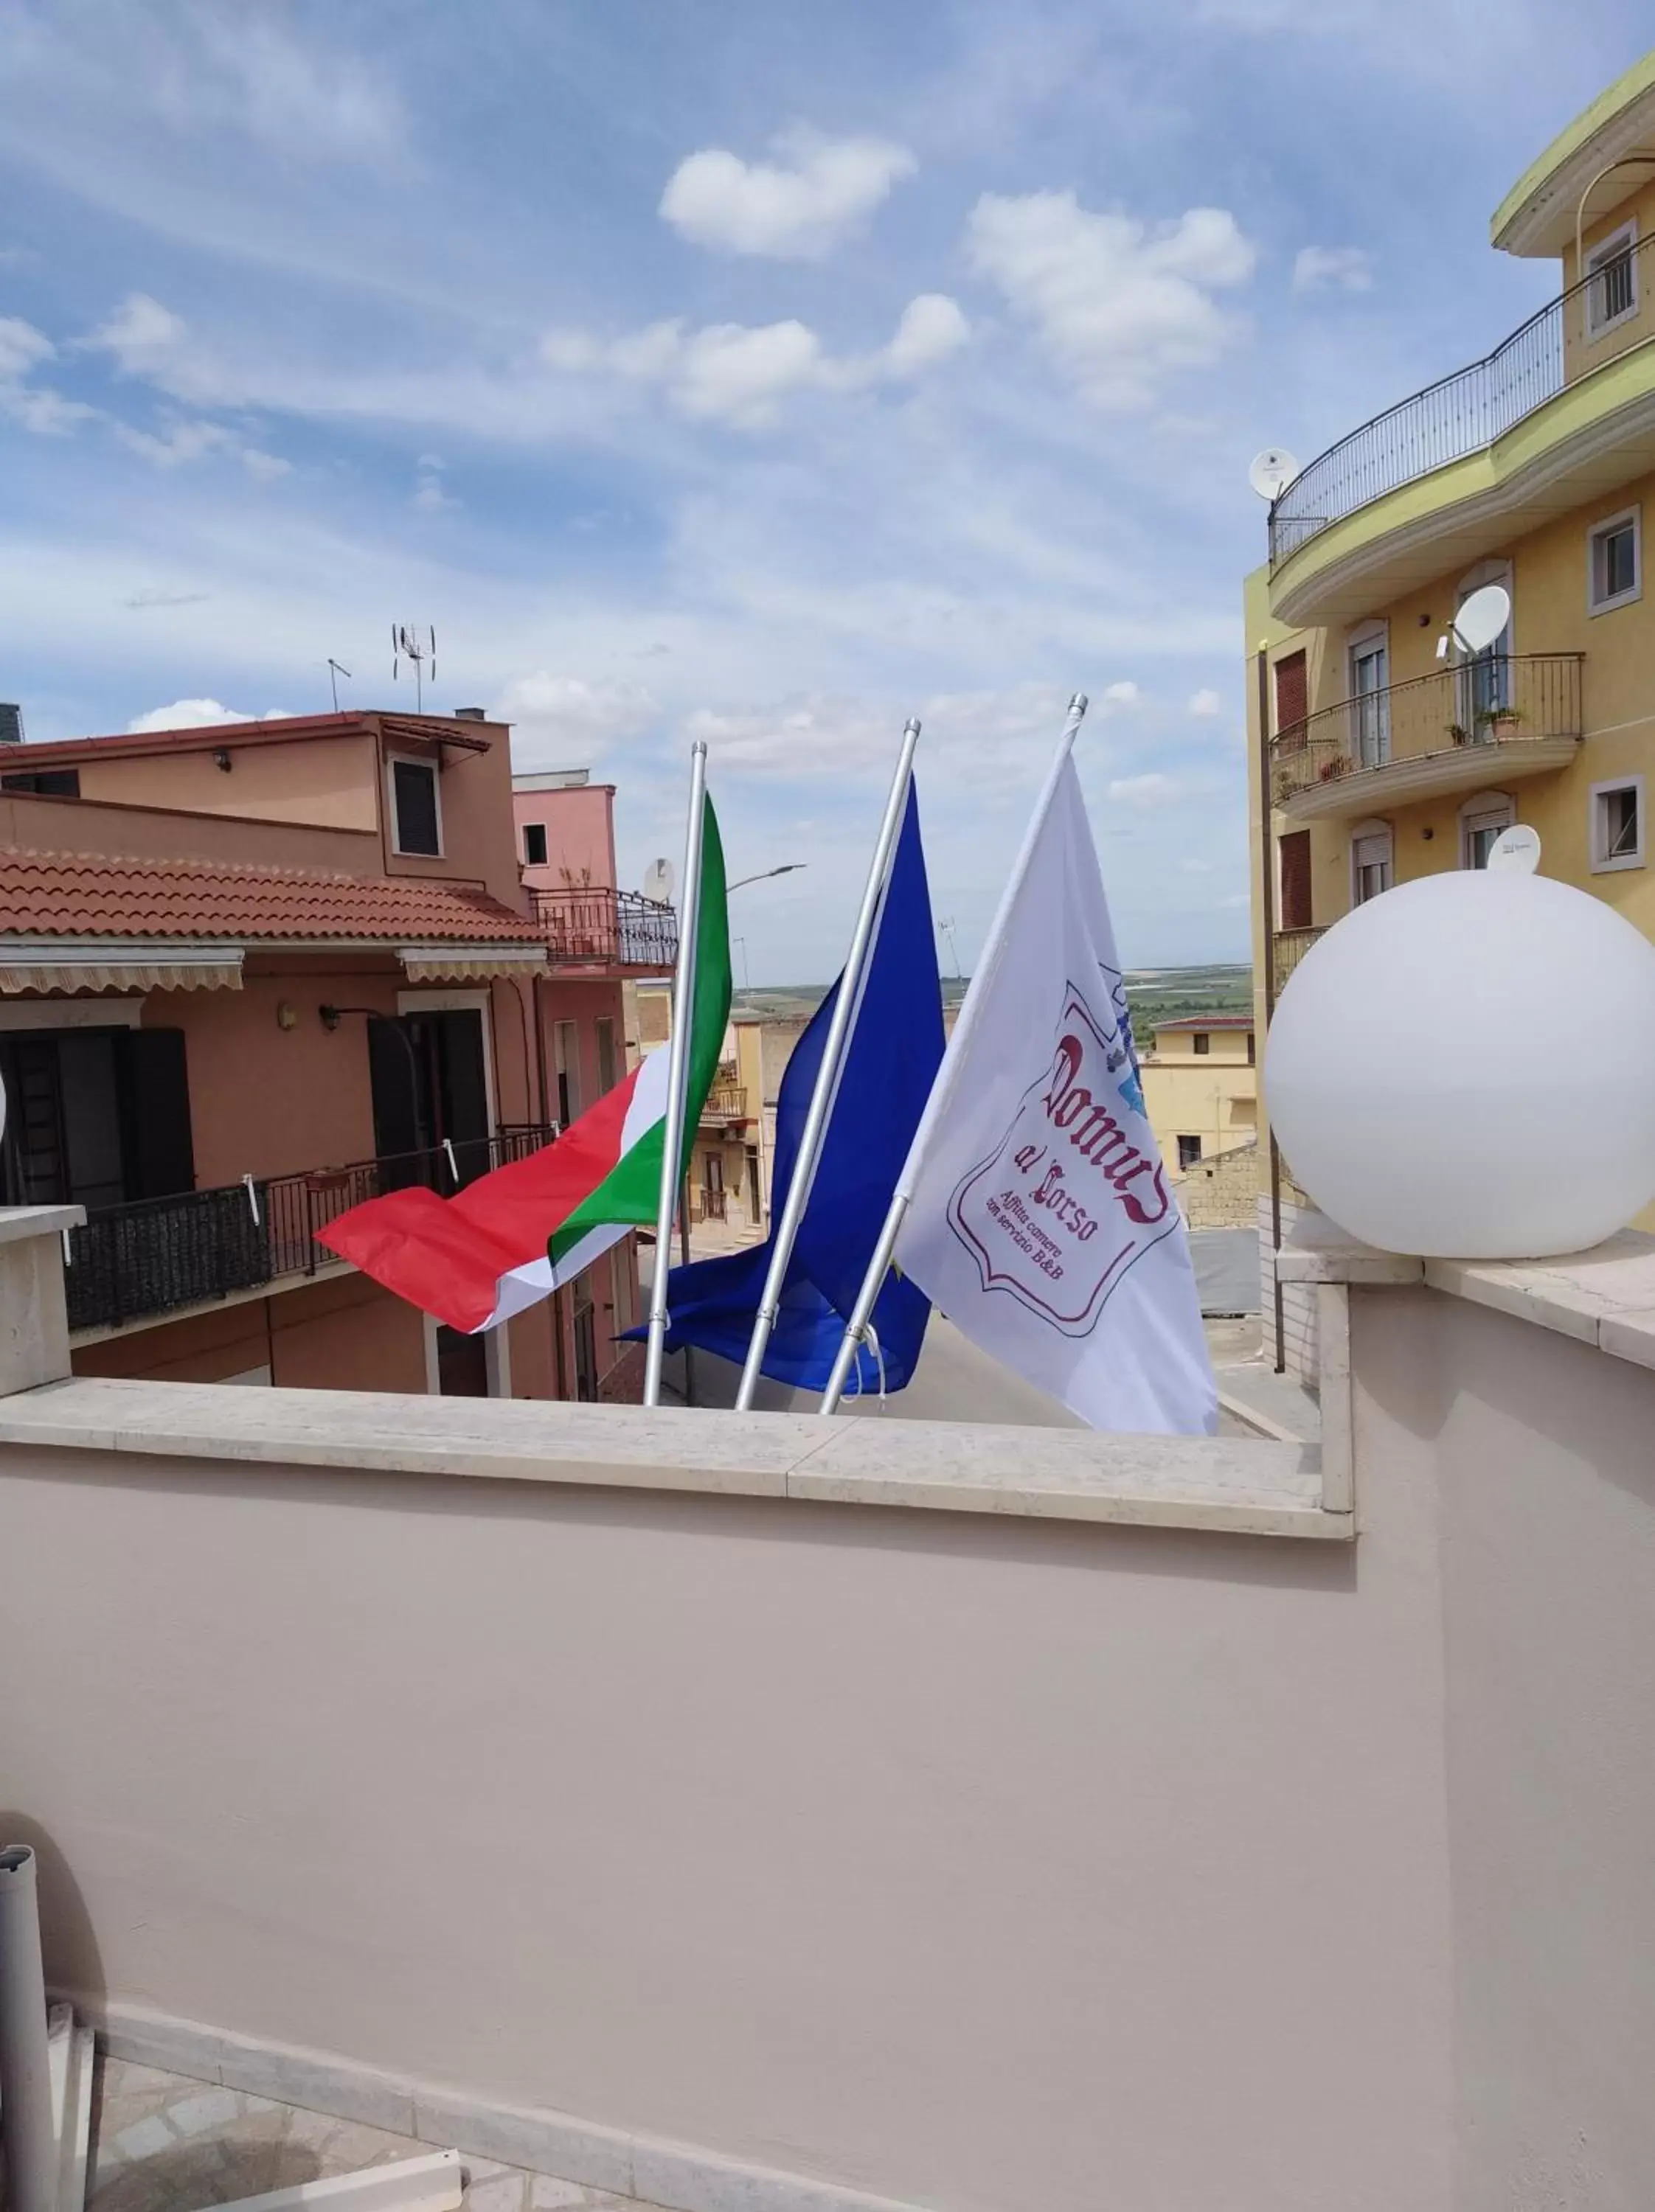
161,2143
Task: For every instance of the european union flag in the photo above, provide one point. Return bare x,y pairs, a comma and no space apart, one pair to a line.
890,1061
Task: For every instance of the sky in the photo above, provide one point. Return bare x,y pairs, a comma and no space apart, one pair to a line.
753,370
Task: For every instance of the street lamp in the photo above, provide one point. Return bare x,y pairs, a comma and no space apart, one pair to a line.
787,868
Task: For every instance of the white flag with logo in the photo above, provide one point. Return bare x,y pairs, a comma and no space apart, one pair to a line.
1039,1219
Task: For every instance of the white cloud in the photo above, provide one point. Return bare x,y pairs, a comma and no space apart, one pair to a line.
21,347
739,374
192,440
1205,703
429,496
564,721
144,337
1117,305
196,714
1332,269
1124,694
796,208
36,408
1152,789
984,738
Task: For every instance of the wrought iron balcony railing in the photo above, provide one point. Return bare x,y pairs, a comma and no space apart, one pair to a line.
727,1101
1500,698
158,1254
608,928
1595,320
1291,947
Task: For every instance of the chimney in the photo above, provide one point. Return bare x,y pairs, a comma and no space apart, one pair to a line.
11,725
470,713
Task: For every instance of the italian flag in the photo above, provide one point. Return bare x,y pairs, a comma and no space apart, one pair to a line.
511,1238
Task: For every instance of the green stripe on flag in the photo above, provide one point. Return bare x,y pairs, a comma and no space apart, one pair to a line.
631,1192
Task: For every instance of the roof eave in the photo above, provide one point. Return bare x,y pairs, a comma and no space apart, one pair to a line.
1537,217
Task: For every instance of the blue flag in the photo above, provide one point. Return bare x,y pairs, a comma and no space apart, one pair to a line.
895,1049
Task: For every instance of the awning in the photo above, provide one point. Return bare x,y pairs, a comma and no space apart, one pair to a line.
470,963
44,964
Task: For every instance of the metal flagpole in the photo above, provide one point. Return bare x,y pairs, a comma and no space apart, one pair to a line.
678,1073
827,1079
942,1089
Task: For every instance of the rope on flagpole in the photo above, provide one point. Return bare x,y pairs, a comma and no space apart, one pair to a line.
678,1072
942,1089
834,1055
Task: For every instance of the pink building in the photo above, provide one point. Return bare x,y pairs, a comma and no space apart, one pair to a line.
250,975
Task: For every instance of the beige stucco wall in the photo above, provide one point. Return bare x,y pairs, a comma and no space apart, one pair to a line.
329,781
1538,1450
1212,1095
1096,1866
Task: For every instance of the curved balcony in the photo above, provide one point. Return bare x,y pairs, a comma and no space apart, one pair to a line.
1484,723
1558,380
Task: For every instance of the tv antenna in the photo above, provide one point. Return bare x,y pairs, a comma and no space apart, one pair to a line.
336,669
1479,621
947,929
1271,471
405,645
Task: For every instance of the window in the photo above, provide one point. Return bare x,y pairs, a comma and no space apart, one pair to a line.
46,782
1612,286
1292,701
1369,862
1484,685
415,812
566,1042
1615,563
604,1026
1294,853
1369,700
1617,825
1200,1043
1481,820
1252,1049
534,844
1189,1152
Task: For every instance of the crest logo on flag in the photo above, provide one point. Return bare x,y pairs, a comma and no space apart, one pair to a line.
1073,1195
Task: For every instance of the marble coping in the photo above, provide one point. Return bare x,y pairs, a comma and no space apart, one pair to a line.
1604,1298
1241,1486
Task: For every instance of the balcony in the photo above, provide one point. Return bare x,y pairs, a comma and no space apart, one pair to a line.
1560,412
726,1102
1484,723
602,928
1291,947
165,1255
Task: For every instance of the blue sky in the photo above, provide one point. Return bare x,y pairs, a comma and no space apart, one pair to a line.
751,369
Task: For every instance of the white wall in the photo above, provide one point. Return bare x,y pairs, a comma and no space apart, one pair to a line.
976,1863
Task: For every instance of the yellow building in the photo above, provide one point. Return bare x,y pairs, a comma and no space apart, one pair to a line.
1201,1087
1533,467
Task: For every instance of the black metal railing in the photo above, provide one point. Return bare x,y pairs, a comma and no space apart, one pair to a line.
610,928
157,1255
1497,700
1595,320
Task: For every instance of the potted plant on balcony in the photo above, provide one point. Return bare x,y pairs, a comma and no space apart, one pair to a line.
1498,722
1458,732
1338,764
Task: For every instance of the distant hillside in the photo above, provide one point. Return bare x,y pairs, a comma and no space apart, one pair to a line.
1155,994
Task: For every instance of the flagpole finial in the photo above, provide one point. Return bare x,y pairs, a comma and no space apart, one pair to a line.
910,729
1078,704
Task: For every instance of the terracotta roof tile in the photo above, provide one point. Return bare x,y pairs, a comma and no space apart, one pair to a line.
93,895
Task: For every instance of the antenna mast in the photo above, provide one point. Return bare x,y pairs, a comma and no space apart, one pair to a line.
336,669
406,645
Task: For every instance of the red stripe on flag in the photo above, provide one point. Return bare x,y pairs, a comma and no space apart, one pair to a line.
446,1255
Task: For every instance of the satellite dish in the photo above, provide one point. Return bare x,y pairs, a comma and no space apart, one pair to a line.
1483,617
1271,471
1515,851
658,882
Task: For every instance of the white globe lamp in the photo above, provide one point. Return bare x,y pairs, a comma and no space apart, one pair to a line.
1465,1067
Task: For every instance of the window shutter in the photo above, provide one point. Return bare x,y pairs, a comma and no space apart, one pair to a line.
155,1089
1295,849
1293,699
